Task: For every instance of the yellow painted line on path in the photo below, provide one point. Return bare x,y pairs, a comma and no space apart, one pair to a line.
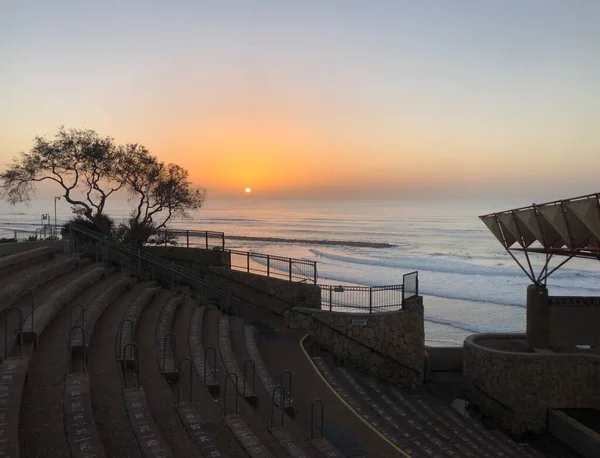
343,401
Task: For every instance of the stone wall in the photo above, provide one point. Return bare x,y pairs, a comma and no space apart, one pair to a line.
518,388
192,258
60,246
562,322
389,343
273,294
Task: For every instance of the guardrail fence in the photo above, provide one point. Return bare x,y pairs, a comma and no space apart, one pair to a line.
145,265
47,232
274,266
191,239
371,299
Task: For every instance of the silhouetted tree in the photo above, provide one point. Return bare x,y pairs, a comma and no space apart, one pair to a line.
85,164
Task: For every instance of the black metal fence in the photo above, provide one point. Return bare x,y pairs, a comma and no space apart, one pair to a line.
410,285
191,239
146,266
371,299
47,232
291,269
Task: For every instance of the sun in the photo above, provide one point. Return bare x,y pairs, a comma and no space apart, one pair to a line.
248,190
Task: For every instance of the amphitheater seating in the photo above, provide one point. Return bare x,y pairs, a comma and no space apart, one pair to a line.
33,277
245,389
419,425
13,372
125,333
203,367
146,432
46,311
263,374
14,261
94,310
102,411
165,340
80,426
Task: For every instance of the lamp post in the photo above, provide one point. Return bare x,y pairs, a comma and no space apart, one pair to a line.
55,225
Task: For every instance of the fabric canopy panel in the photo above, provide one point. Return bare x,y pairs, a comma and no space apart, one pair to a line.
565,225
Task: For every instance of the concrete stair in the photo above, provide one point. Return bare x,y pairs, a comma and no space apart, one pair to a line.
244,387
155,322
269,406
240,417
44,408
201,357
198,411
105,375
108,402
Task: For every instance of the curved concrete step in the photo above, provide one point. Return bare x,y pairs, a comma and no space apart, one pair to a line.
17,260
502,447
231,365
159,393
104,370
253,446
261,370
403,441
166,359
130,318
34,277
95,308
150,441
82,436
428,424
209,378
45,311
13,372
43,411
196,429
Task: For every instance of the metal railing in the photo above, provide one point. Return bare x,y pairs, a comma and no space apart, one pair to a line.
371,299
47,232
143,264
291,269
410,285
191,239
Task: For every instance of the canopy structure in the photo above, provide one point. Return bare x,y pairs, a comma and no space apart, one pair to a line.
569,227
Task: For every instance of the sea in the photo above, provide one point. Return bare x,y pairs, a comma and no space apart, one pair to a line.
469,282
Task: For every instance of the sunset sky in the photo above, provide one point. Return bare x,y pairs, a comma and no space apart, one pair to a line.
370,99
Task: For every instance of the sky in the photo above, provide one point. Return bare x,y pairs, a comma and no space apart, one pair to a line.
319,99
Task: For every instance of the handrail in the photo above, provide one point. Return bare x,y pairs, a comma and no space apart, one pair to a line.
275,404
383,355
82,316
187,233
173,339
30,291
312,419
136,364
20,329
290,264
139,256
191,366
231,375
70,348
119,340
253,365
214,369
288,390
